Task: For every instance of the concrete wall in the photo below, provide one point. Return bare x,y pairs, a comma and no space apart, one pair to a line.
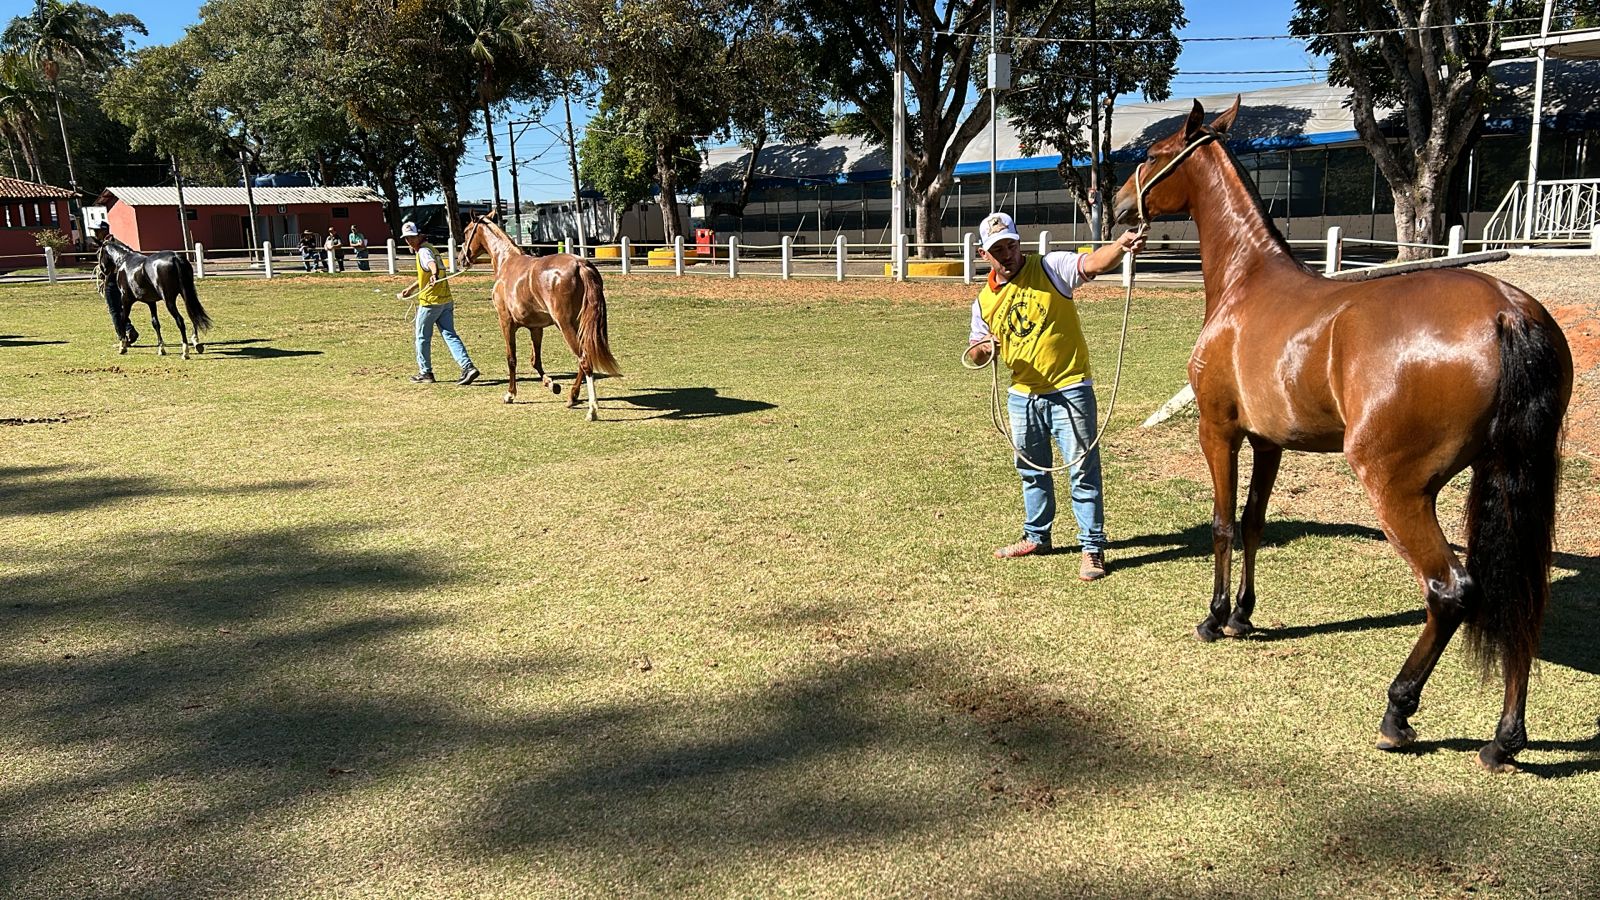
19,221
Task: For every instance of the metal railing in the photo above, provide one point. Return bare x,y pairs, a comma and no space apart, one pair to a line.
1564,212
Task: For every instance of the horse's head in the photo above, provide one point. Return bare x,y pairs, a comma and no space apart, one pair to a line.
1169,184
473,242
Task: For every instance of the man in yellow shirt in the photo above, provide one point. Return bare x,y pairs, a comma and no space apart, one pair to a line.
1027,314
435,309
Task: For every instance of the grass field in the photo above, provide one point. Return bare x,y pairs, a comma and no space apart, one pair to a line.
275,621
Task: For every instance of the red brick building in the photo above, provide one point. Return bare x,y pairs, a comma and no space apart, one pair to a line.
25,209
146,218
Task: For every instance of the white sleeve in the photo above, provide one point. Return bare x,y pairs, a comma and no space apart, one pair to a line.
980,329
1066,270
426,258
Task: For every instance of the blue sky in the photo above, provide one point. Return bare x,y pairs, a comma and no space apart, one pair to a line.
545,175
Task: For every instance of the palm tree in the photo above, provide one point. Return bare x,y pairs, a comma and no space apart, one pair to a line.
68,31
500,40
22,95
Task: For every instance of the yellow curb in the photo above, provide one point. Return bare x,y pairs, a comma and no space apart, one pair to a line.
926,269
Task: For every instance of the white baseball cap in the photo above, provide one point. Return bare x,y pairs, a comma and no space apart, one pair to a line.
409,229
995,228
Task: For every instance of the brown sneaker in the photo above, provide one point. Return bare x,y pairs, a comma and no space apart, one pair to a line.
1093,568
1023,547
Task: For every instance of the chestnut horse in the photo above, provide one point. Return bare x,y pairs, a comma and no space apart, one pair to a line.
1414,377
536,292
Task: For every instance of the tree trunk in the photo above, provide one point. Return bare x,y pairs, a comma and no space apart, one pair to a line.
930,218
389,182
667,177
1419,214
749,176
452,203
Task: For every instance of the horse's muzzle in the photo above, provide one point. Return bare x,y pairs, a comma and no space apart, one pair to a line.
1124,210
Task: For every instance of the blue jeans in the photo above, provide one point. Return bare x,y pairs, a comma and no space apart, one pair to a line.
444,316
1067,416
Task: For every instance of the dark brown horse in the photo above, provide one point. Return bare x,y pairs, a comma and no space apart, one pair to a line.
536,292
1415,378
151,278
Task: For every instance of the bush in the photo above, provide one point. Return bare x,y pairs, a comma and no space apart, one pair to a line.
54,240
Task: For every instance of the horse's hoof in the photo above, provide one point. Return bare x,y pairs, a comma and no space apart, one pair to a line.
199,348
1390,738
554,387
161,351
511,398
1237,628
1490,759
1205,632
122,351
591,416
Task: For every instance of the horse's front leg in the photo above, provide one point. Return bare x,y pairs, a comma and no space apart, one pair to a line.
508,330
1263,474
1221,448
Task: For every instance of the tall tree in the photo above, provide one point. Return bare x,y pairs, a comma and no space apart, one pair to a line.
1429,61
942,55
73,32
24,96
615,162
1059,79
151,97
658,57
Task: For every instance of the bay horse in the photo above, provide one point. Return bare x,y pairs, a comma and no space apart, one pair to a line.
151,278
1414,378
537,292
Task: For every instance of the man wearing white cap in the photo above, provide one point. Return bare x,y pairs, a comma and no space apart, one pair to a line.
435,307
1026,312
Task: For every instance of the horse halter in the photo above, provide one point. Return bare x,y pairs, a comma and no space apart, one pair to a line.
1142,188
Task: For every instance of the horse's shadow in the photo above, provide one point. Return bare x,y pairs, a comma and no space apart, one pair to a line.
1196,540
245,348
689,403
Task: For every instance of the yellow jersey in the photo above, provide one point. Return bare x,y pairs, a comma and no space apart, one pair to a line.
1036,325
431,293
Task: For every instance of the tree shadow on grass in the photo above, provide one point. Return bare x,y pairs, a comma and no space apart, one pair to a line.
25,492
17,340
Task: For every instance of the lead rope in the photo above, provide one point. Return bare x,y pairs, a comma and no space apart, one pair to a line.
401,295
1002,424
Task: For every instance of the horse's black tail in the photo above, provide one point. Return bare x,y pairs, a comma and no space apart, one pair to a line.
191,299
1511,507
592,335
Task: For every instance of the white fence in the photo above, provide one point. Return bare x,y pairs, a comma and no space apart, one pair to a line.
1163,259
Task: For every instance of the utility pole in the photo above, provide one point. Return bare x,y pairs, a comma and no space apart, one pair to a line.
250,201
897,155
183,210
572,157
516,197
494,160
1095,212
994,103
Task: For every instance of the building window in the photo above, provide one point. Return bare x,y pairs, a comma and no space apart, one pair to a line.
55,215
38,218
8,217
341,212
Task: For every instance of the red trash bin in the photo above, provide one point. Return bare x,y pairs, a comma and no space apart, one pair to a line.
705,243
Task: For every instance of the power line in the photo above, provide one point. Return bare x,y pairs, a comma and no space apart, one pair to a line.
1368,32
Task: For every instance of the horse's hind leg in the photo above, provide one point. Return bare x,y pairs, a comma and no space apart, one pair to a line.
538,361
1263,474
183,335
161,345
1412,525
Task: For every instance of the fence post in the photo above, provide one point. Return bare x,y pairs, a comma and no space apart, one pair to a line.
904,268
50,264
199,260
1127,269
331,254
1594,240
677,255
266,257
627,255
1458,236
787,267
450,253
1044,242
966,258
1331,262
839,244
393,268
733,256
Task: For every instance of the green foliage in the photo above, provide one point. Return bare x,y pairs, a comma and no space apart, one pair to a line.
1059,81
614,162
154,97
52,239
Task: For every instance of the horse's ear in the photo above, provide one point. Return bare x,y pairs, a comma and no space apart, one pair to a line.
1222,123
1192,125
492,216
